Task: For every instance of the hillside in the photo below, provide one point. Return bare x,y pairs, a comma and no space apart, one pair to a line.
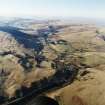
31,51
89,55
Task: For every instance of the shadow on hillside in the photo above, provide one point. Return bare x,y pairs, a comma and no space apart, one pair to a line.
28,41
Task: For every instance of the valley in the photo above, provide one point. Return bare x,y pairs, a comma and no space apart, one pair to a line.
55,58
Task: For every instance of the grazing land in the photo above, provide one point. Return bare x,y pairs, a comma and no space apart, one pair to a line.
41,54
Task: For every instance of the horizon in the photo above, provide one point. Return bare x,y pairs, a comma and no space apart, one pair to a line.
53,9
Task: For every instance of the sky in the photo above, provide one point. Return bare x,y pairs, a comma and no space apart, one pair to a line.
53,8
